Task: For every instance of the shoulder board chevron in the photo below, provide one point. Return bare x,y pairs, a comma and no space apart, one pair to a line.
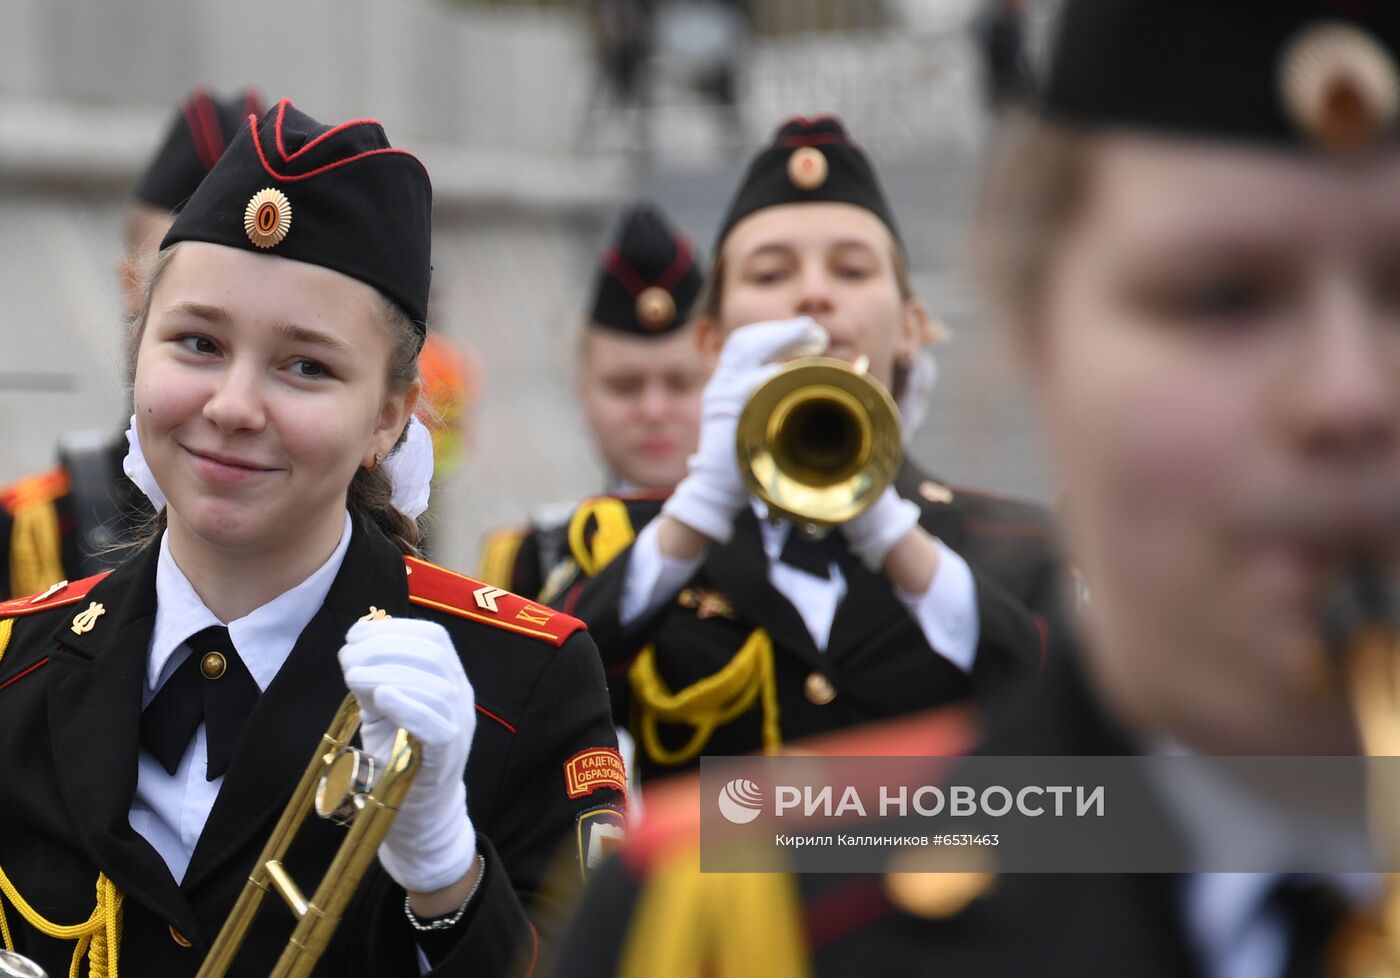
431,586
62,593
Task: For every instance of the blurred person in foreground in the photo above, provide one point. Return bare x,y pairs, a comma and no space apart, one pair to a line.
67,521
639,380
1195,243
726,630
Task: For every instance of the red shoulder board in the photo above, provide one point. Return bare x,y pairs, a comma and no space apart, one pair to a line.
56,596
437,587
42,487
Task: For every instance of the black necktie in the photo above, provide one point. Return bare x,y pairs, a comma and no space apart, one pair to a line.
212,687
813,555
1312,910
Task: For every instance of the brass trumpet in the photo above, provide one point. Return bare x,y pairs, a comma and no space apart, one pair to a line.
819,441
337,783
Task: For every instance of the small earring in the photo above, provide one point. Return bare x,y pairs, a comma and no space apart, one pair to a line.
378,457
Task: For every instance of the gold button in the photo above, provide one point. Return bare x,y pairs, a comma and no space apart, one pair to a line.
213,665
179,938
819,689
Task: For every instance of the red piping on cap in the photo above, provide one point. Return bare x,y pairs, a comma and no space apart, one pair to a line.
815,120
293,178
214,133
632,280
194,122
253,103
281,114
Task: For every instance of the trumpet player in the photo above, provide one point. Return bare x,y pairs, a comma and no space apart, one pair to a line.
727,631
154,720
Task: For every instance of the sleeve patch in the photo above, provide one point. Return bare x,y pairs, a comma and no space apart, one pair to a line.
601,832
594,768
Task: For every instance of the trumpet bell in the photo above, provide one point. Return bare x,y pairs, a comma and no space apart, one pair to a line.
819,442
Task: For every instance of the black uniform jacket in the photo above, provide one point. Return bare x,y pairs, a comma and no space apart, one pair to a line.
61,523
69,711
1058,926
877,663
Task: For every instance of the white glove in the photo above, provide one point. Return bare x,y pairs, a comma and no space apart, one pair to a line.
405,672
874,533
918,390
713,491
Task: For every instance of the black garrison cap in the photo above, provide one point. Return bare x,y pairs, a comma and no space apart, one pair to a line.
340,197
1317,74
197,136
809,161
648,279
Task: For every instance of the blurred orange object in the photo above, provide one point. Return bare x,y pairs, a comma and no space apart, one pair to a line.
452,381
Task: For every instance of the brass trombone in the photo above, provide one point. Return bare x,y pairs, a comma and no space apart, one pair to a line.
337,784
819,441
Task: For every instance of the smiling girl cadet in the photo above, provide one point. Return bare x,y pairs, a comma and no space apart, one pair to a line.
154,721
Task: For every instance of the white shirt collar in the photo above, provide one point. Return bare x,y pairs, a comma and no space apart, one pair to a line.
264,637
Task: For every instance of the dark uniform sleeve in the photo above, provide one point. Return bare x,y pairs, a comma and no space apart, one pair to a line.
593,944
531,816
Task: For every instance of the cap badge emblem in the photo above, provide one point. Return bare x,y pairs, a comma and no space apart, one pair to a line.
1340,87
807,168
656,309
267,218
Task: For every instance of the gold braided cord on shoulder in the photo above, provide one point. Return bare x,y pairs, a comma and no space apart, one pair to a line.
613,535
7,626
709,703
99,937
36,548
704,705
691,924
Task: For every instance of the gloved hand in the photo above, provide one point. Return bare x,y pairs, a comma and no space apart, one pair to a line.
874,533
713,490
405,672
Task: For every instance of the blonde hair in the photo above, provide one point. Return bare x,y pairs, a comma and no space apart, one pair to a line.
370,493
